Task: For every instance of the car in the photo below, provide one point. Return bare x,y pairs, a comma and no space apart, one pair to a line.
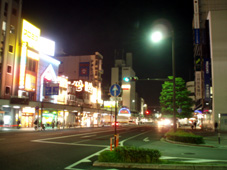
131,122
115,123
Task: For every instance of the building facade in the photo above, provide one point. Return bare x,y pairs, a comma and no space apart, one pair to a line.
123,68
210,62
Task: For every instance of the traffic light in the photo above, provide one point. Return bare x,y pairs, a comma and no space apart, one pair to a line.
147,112
128,79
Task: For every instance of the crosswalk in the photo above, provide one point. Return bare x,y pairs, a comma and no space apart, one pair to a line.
191,160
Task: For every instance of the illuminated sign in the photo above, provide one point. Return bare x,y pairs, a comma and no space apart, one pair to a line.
30,34
22,66
33,55
109,104
51,89
47,46
79,85
28,110
49,74
124,112
88,87
126,86
63,82
30,82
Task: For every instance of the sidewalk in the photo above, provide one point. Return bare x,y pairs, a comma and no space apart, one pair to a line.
211,138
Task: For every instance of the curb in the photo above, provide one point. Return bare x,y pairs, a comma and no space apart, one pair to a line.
190,144
160,166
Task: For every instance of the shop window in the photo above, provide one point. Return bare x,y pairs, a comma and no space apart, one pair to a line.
10,48
12,29
6,9
7,90
31,65
4,26
9,69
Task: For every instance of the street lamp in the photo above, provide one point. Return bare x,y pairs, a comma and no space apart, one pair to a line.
156,37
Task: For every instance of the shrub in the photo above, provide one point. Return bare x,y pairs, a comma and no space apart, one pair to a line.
130,155
108,156
186,137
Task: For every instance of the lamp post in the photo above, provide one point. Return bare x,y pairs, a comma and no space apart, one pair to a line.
156,37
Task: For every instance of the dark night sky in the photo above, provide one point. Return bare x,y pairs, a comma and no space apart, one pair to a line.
82,27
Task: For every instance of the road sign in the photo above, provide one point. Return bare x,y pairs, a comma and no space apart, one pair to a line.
115,90
179,110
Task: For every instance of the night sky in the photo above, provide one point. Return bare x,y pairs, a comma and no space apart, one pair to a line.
82,27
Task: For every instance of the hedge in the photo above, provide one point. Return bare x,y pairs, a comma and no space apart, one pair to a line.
186,137
130,155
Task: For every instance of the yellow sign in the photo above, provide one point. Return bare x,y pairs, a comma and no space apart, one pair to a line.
30,82
30,34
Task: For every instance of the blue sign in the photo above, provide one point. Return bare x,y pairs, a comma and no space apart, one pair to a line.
51,89
48,91
115,90
197,36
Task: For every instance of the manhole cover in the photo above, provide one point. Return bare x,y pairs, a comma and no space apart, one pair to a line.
188,153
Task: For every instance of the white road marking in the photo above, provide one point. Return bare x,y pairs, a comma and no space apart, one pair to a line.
64,143
87,136
191,160
86,159
122,142
146,139
61,137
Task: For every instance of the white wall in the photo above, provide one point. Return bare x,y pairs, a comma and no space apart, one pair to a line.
218,44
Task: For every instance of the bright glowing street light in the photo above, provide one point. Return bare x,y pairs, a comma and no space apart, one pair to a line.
156,37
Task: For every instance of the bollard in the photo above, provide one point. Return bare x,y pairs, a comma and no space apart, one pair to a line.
111,144
117,140
219,138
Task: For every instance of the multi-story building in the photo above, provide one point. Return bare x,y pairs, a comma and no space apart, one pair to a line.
84,72
10,19
210,62
123,68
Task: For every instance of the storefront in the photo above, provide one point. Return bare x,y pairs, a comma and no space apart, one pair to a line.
27,116
49,117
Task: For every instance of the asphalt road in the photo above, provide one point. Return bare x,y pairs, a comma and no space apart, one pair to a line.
77,149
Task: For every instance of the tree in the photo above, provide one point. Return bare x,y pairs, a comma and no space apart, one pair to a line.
182,99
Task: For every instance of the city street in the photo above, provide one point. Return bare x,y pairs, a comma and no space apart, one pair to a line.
78,148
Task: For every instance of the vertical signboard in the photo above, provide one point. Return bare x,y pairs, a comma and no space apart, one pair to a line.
207,79
84,69
196,22
198,85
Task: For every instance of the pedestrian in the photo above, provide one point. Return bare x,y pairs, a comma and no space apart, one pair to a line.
195,123
53,122
192,125
216,126
36,124
18,124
